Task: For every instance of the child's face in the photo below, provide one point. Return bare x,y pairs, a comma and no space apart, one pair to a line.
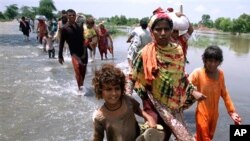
211,65
111,93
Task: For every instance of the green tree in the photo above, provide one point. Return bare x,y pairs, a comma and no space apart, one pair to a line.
46,7
206,21
11,11
244,20
27,12
217,23
226,25
2,16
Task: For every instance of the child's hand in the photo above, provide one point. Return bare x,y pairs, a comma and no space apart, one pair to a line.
152,123
198,96
236,118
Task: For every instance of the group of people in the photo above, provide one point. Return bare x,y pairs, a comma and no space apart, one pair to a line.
75,34
81,37
159,78
97,35
157,58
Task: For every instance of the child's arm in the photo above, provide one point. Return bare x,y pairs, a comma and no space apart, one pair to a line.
198,96
151,122
98,134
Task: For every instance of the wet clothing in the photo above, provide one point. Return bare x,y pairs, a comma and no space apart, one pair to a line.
72,34
42,29
80,70
118,127
167,79
104,43
25,27
159,75
51,53
207,111
48,45
90,37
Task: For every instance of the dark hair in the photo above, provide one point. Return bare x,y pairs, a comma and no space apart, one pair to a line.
170,22
108,74
144,23
64,19
212,52
64,12
71,11
90,20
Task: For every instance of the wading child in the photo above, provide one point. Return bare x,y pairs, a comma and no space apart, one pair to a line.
116,116
48,41
209,80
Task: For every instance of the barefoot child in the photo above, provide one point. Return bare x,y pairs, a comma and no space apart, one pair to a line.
209,80
116,117
48,41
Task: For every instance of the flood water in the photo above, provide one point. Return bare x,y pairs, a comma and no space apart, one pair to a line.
38,96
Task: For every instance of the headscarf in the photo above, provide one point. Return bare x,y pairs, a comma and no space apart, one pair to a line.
155,17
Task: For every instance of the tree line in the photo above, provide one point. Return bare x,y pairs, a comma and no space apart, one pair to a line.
238,25
47,8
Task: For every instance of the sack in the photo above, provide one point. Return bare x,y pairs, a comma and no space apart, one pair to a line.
179,23
152,134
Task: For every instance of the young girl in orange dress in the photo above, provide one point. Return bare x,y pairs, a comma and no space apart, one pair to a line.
116,116
209,80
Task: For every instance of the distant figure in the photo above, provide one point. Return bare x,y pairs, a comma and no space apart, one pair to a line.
182,37
138,38
24,26
105,42
53,26
80,19
73,35
210,81
60,23
32,24
116,117
42,28
48,41
91,37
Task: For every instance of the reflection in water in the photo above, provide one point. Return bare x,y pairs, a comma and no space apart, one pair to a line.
239,44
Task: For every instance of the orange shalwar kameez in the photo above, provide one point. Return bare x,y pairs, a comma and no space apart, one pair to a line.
207,111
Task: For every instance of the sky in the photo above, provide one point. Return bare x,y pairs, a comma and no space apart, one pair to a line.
193,9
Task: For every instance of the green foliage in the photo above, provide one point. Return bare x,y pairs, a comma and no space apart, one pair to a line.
122,20
2,15
205,20
28,12
239,25
46,7
11,11
225,25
